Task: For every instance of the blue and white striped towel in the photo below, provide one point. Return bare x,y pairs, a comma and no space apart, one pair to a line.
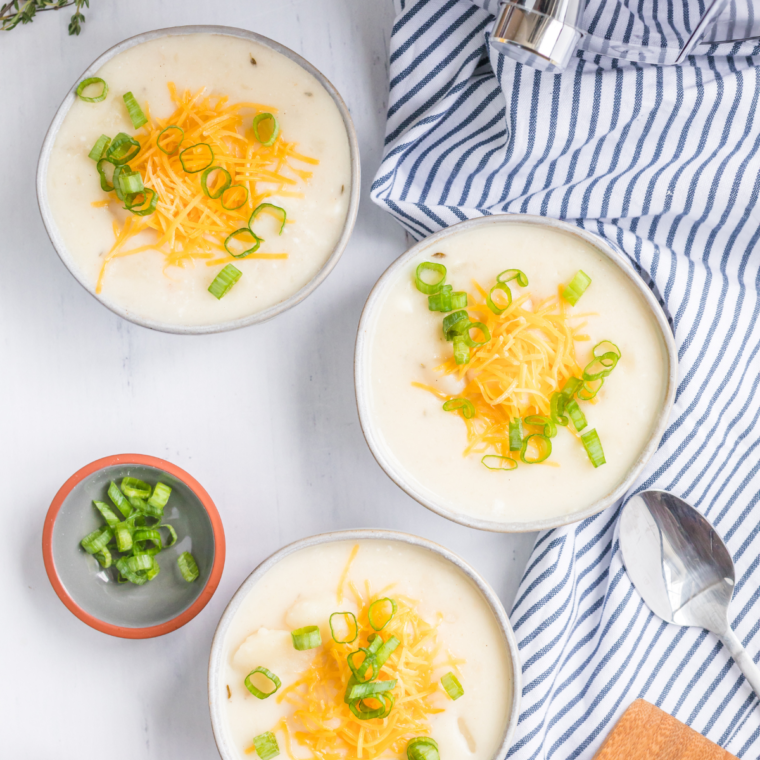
665,164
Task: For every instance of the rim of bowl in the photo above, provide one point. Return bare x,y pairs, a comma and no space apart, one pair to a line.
361,376
262,316
216,526
372,534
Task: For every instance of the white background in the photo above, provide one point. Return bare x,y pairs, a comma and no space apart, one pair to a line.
264,418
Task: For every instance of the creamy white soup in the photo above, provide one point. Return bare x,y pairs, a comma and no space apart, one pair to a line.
425,445
443,624
307,173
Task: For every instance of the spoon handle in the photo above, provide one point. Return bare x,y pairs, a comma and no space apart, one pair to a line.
743,659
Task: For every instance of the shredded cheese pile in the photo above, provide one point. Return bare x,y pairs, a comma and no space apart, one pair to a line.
531,355
324,724
191,226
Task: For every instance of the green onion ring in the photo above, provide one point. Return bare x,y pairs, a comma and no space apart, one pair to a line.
558,403
543,446
145,508
423,748
117,172
105,185
515,434
130,183
370,614
453,687
220,191
247,231
123,536
576,288
227,207
139,579
499,463
136,114
590,389
308,637
370,689
143,207
269,676
224,281
385,650
513,274
451,323
86,83
105,558
119,500
346,615
593,447
460,404
550,428
459,300
430,288
142,562
359,671
576,415
275,128
263,206
571,387
160,134
362,712
266,746
108,515
95,542
600,367
160,496
504,288
476,326
193,147
141,537
172,533
122,149
100,148
461,350
188,567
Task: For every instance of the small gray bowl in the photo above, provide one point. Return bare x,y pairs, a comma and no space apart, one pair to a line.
272,311
91,593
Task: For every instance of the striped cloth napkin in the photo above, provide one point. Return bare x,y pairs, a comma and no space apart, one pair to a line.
664,163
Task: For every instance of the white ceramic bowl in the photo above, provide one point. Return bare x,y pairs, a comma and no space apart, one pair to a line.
216,660
262,316
362,376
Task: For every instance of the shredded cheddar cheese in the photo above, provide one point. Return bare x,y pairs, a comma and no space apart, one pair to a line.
322,722
187,225
531,355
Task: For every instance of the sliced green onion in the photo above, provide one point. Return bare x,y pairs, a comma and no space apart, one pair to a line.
263,207
558,403
188,567
461,350
453,687
346,617
108,515
95,542
385,650
119,500
191,158
172,533
100,148
142,204
363,712
423,748
495,462
305,638
360,671
459,300
220,190
377,625
140,563
105,558
142,537
476,326
430,288
122,149
441,301
571,387
593,447
130,183
123,537
501,287
139,579
452,321
513,274
269,676
543,447
577,287
576,415
365,690
550,429
135,112
106,185
229,206
266,746
257,241
160,496
600,367
224,281
257,121
515,434
590,388
90,81
465,405
163,148
135,487
143,507
606,347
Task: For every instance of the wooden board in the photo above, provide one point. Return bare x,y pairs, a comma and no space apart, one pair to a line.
647,733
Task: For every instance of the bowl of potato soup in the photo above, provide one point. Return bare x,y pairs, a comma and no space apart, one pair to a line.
369,644
513,373
200,179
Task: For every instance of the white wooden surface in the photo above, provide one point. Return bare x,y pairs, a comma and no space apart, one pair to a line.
265,418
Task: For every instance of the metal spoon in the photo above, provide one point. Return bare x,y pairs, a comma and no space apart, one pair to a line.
682,568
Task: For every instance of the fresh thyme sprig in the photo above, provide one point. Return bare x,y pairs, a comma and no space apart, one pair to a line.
23,12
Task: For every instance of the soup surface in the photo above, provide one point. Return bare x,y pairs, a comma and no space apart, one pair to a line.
315,194
308,586
424,445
